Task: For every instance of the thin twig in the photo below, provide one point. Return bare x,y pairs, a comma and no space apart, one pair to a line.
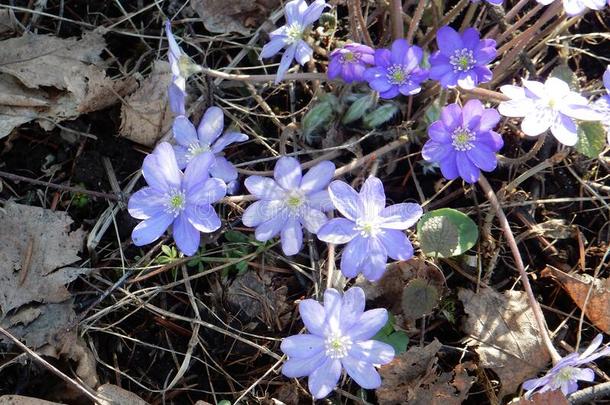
398,30
417,16
508,234
590,394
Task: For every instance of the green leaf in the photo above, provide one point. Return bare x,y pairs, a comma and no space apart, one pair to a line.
380,115
236,237
167,250
591,139
358,108
320,115
419,298
241,267
398,340
224,402
446,232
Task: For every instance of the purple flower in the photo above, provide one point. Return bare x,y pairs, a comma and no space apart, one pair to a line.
602,104
350,62
290,36
547,105
575,7
397,71
371,230
463,142
339,338
567,372
177,88
206,138
172,197
462,59
289,202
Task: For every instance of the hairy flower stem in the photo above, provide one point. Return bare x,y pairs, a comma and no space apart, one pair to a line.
512,243
417,16
398,30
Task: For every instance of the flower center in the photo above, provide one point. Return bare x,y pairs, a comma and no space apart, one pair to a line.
187,68
462,60
367,228
462,139
195,149
295,200
337,346
175,203
295,32
349,57
565,375
397,75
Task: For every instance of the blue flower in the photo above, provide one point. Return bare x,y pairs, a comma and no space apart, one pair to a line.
290,36
173,197
350,62
397,71
462,59
193,142
339,338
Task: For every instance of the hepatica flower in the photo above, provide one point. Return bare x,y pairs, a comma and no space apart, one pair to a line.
463,142
575,7
397,71
350,62
550,105
289,202
568,371
206,138
462,59
602,104
181,67
339,338
371,230
175,198
290,36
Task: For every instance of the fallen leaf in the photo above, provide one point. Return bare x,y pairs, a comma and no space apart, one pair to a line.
450,388
578,286
110,394
505,335
51,79
146,116
403,374
221,16
21,400
6,24
545,398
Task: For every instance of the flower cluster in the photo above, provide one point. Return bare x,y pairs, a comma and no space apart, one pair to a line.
575,7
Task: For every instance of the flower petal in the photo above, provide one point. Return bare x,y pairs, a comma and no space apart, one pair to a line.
372,196
320,200
352,307
160,168
325,378
516,108
203,217
292,237
372,351
262,211
397,244
337,231
264,188
184,131
448,40
363,373
482,157
374,265
227,139
400,216
223,169
273,46
369,324
313,12
489,119
468,171
471,113
313,316
285,62
151,229
345,199
295,368
564,129
451,116
211,125
318,177
435,151
146,203
176,98
538,120
332,307
302,346
353,256
287,173
437,132
294,10
313,220
271,228
449,167
186,236
303,52
197,172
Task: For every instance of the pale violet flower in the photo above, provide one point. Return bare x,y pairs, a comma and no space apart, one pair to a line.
568,371
289,202
339,338
602,104
206,138
575,7
550,105
371,230
183,200
299,16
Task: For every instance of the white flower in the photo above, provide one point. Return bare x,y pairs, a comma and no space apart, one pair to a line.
575,7
550,105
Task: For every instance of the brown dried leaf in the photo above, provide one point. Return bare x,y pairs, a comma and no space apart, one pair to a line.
21,400
146,115
6,24
504,333
110,394
403,374
578,286
445,389
223,16
545,398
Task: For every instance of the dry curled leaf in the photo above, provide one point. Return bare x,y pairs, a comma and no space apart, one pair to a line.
578,286
504,333
146,116
223,16
444,389
545,398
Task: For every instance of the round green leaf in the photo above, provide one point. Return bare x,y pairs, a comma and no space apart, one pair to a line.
591,139
419,298
446,232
